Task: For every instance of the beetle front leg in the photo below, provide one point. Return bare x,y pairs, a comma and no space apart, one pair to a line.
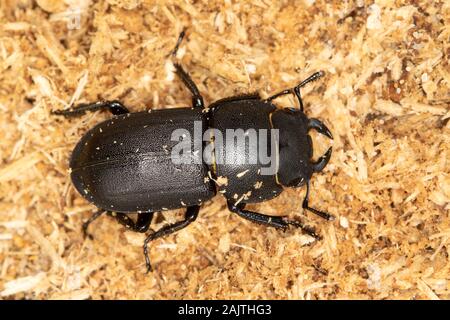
271,221
190,216
141,225
115,107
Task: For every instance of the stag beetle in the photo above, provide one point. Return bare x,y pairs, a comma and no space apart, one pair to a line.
125,165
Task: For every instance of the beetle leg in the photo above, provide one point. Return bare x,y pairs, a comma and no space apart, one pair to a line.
115,107
142,224
271,221
143,221
305,206
320,127
296,89
197,99
96,215
190,216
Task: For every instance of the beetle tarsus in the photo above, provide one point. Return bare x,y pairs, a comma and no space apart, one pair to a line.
147,259
308,230
115,107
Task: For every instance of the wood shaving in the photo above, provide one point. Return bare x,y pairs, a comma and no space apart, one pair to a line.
385,97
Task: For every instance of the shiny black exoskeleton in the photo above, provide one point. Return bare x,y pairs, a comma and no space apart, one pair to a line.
124,165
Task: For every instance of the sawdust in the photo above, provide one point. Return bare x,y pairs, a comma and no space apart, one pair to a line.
385,97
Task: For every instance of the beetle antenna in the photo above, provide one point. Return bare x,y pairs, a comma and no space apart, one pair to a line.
311,78
296,89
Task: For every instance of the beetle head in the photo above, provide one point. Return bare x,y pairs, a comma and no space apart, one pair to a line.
295,146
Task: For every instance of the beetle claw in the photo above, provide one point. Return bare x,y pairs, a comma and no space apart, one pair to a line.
322,161
86,234
320,127
149,269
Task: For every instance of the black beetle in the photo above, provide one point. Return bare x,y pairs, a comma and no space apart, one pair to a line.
123,165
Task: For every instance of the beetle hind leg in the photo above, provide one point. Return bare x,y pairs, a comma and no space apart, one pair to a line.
190,216
115,107
197,99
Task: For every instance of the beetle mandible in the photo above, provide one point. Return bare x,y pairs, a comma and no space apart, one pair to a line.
123,165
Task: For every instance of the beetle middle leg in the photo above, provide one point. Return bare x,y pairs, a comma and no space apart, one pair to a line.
197,99
271,221
190,216
115,107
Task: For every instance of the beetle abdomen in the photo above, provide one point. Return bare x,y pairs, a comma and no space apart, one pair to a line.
125,164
